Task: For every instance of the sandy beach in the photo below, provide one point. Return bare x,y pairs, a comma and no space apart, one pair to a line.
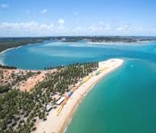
58,123
1,53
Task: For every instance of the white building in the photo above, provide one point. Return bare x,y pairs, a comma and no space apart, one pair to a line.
60,100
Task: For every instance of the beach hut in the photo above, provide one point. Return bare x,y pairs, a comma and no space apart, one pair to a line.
56,97
60,100
48,107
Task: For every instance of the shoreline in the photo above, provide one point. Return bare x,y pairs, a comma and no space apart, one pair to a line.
137,43
2,52
8,49
59,123
121,43
70,117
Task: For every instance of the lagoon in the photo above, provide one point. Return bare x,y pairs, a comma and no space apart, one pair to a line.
52,54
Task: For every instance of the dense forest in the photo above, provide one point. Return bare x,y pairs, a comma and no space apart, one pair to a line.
20,110
6,43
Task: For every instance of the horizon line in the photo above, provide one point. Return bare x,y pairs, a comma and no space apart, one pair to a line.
79,36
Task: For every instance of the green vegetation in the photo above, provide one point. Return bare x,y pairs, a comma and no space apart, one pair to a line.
4,89
20,110
15,77
6,43
7,67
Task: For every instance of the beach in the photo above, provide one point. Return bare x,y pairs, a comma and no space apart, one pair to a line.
3,52
58,123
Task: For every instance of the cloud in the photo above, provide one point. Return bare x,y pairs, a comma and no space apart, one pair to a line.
94,28
44,11
34,28
100,26
61,22
78,28
27,28
4,6
124,27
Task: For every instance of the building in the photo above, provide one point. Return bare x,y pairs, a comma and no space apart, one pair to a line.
60,100
48,107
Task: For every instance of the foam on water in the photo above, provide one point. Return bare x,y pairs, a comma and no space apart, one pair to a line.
1,62
2,58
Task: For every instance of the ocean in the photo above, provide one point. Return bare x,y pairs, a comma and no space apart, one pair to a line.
122,102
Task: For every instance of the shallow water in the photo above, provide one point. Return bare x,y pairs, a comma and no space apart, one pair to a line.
38,56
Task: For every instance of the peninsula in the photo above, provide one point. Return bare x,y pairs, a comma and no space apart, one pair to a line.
37,101
58,118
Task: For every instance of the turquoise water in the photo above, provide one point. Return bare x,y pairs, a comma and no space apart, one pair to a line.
123,102
55,54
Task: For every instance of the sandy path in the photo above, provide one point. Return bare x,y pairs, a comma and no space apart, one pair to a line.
32,81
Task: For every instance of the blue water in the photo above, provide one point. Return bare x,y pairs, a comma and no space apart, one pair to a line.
123,102
54,54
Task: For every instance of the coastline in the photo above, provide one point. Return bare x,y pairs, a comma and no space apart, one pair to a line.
121,43
2,52
1,62
58,124
8,49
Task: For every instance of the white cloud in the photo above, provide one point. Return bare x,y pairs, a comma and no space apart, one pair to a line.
4,6
26,28
61,22
123,28
78,28
107,27
44,11
34,28
101,26
95,28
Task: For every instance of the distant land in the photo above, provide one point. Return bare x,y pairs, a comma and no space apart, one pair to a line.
10,42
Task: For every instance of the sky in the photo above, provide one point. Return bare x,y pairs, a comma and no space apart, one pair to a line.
22,18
